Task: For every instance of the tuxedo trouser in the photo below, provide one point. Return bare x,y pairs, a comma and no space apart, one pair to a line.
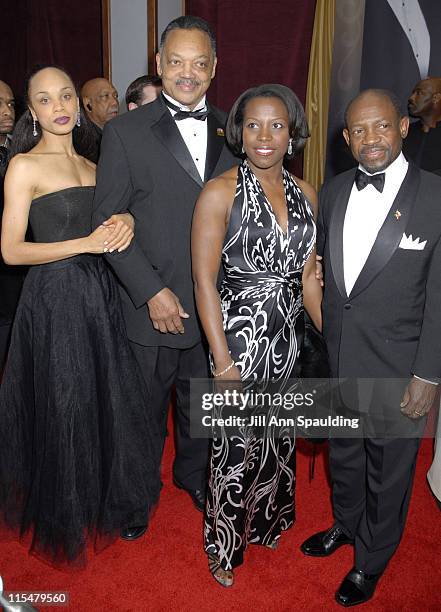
163,367
372,482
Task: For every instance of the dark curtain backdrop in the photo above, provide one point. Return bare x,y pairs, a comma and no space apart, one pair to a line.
259,41
50,31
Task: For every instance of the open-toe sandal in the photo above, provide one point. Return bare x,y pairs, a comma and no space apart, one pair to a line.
222,576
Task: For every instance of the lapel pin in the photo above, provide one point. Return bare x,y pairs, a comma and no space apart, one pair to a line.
397,214
220,132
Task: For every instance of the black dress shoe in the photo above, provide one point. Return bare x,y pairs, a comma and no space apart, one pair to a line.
356,588
325,543
197,495
133,533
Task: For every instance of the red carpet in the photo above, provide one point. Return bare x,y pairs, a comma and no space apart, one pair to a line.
167,569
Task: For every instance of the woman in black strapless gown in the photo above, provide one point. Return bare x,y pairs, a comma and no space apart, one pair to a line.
79,456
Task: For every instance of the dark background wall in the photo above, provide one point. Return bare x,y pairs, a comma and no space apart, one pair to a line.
63,32
259,41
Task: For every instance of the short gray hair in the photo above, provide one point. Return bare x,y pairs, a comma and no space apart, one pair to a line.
189,22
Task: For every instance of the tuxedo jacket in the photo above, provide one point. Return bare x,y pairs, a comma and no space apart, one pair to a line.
424,148
146,168
389,326
388,59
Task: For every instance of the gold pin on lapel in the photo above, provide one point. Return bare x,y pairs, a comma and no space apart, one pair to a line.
397,214
220,132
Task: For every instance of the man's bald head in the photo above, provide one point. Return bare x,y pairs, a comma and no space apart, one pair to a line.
100,100
375,129
367,96
425,101
7,111
4,86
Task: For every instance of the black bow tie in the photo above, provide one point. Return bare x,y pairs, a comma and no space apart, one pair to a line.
362,179
200,114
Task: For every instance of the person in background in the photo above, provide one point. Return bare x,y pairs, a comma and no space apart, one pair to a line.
7,115
11,277
423,147
423,142
143,90
100,101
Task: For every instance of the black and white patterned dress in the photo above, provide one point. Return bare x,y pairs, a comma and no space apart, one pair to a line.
250,497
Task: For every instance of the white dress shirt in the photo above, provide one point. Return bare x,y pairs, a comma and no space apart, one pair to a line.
194,133
411,19
366,212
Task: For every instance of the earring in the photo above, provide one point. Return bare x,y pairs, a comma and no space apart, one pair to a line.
243,150
34,130
78,118
290,147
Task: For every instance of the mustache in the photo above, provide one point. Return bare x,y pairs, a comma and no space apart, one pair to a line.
365,150
193,82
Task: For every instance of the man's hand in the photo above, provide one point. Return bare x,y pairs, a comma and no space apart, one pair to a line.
166,312
319,269
418,398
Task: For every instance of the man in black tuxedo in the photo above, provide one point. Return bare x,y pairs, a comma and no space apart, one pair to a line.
154,162
380,237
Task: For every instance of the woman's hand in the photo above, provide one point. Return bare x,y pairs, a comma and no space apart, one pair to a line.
121,232
96,241
230,381
319,269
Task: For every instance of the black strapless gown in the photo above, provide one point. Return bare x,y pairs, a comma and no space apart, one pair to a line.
79,453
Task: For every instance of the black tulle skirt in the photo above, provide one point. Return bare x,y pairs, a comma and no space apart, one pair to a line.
79,452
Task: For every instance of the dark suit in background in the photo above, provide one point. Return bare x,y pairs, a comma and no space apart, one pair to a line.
388,327
146,168
389,60
424,148
11,281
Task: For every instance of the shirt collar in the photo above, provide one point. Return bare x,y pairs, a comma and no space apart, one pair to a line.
199,106
397,168
7,142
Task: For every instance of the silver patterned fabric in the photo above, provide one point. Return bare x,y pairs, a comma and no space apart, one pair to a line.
250,497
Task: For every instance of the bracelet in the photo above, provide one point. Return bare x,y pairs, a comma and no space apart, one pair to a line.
227,369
